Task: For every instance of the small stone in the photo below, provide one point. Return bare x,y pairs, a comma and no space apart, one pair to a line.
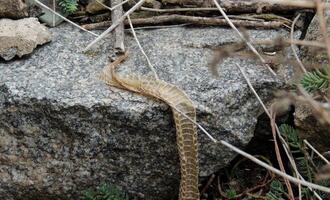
95,7
21,37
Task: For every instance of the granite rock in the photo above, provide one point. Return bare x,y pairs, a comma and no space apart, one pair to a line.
14,9
310,128
21,37
311,54
63,130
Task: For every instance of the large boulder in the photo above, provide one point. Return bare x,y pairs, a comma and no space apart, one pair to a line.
13,9
21,37
63,130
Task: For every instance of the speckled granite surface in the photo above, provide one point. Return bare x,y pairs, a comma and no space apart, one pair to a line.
63,130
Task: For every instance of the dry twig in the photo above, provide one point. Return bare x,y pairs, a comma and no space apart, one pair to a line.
301,65
278,154
119,30
115,24
286,42
113,5
141,49
316,151
295,3
177,9
242,37
207,184
252,158
175,18
284,144
234,6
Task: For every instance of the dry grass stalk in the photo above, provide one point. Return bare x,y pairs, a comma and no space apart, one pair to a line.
316,151
242,37
301,65
274,130
285,42
141,49
284,144
319,110
113,5
278,154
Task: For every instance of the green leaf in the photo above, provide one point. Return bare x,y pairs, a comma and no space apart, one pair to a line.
89,194
276,190
230,193
315,80
68,6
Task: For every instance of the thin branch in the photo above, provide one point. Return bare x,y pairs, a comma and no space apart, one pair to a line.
302,67
113,6
177,9
274,170
101,25
53,16
196,20
283,41
292,162
278,154
252,158
285,145
317,152
245,6
254,91
296,3
242,37
318,108
115,24
315,193
64,18
141,49
160,26
119,30
207,184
